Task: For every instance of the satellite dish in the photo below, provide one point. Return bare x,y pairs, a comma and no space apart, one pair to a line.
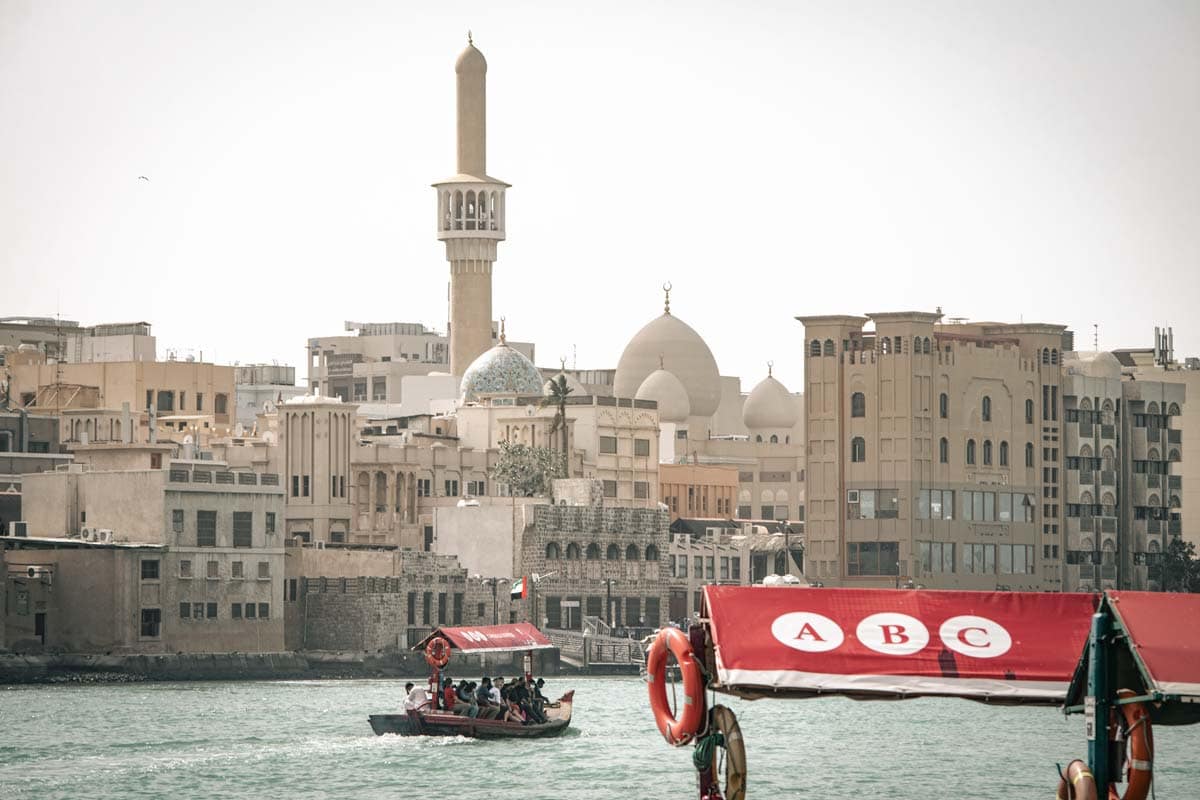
187,439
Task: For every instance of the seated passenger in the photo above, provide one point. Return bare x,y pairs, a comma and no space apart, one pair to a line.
483,699
453,703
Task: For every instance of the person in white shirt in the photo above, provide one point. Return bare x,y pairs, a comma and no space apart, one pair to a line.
494,692
417,697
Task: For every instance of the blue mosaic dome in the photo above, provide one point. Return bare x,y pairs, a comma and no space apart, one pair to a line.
501,370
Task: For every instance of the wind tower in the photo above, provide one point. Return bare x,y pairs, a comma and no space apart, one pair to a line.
470,217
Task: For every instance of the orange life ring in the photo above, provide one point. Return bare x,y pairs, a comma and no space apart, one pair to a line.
675,731
1139,773
1077,783
437,652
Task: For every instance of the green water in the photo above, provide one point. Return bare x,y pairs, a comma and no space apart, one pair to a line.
310,739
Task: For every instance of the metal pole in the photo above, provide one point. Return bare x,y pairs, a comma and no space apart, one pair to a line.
495,611
1097,704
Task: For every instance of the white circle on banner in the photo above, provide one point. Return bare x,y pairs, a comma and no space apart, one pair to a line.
978,637
804,630
893,634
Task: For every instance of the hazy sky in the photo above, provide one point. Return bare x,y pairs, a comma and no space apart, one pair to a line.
1002,160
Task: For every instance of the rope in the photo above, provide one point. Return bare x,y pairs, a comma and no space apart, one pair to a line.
702,756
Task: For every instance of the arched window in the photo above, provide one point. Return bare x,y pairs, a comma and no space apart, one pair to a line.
1173,409
572,552
631,553
651,553
986,411
925,346
1054,356
1029,454
1173,455
858,405
1153,454
1028,412
829,347
758,437
774,439
613,553
987,452
899,346
1045,355
858,449
944,451
970,451
885,345
916,345
943,405
814,349
553,553
593,552
1004,454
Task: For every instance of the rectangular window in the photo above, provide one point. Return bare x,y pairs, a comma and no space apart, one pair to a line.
210,610
177,520
743,512
698,566
457,617
206,529
214,569
641,447
427,610
633,611
295,486
243,528
235,570
736,568
724,568
250,611
199,401
709,572
235,611
424,487
151,622
608,445
610,488
641,490
264,570
150,569
682,567
270,527
185,568
412,608
441,617
1006,507
304,486
873,558
451,487
185,610
264,610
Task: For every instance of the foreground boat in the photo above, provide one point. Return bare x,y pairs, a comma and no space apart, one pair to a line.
432,720
1127,661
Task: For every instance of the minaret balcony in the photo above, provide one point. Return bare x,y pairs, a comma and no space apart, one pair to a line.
470,210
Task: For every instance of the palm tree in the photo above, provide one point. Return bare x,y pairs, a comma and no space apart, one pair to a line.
557,396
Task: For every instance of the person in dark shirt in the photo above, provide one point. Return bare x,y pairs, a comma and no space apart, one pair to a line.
454,704
487,709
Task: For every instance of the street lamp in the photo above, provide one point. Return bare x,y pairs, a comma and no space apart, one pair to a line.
493,582
608,584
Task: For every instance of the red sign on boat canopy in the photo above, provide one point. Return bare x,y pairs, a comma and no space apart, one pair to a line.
1009,647
492,638
1165,629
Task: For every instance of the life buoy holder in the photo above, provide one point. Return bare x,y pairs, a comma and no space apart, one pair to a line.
682,730
1139,772
437,652
1077,783
724,732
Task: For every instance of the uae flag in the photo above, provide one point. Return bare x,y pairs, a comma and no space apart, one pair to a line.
520,588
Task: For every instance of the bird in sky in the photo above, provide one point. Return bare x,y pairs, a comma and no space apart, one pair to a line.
143,178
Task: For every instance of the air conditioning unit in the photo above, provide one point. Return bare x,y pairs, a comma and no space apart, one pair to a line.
104,536
37,572
86,533
852,495
18,528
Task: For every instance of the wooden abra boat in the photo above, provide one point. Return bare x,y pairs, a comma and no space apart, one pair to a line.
443,723
432,719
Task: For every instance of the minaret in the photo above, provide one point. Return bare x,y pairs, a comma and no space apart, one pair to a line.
470,218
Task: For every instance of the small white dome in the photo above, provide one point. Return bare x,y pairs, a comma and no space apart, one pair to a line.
666,390
769,406
501,370
1093,364
574,385
672,341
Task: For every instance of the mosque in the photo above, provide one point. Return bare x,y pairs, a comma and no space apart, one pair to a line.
703,416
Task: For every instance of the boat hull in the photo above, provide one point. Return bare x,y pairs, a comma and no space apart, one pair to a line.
441,723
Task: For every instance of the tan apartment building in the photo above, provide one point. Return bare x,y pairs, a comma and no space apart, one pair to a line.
689,490
933,452
183,559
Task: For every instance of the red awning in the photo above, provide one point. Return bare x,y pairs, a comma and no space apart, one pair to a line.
1164,630
1011,647
492,638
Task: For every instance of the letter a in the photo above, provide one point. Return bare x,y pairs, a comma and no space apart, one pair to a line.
809,630
893,634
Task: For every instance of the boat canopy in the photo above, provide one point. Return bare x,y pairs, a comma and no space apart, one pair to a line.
1156,653
1002,647
517,637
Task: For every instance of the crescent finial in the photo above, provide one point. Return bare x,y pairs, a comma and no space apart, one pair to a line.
667,293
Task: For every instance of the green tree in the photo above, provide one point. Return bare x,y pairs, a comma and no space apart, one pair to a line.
527,471
558,397
1180,569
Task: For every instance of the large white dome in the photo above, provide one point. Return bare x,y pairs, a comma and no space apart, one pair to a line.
672,341
501,370
769,406
666,390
